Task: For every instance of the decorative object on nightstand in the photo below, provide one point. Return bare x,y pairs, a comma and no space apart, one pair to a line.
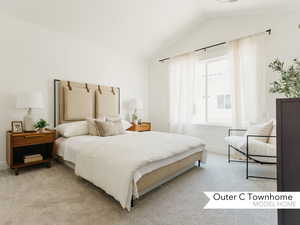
135,110
29,101
17,126
144,126
41,125
29,148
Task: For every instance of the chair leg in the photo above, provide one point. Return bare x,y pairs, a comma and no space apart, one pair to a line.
228,153
247,161
247,168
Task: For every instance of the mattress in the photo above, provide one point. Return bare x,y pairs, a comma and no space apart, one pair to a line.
68,150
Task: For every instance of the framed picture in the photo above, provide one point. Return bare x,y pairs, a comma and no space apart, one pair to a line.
17,126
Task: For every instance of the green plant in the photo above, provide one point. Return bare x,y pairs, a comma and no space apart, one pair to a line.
41,124
289,82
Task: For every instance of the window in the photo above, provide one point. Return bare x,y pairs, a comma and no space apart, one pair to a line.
212,102
224,101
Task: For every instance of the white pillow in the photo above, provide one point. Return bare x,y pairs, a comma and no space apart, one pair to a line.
92,128
126,124
73,129
260,129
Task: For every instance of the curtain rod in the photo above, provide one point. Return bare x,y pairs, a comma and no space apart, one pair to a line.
269,31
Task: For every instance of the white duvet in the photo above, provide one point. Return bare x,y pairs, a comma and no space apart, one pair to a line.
110,162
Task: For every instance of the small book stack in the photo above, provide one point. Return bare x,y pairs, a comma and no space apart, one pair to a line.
32,158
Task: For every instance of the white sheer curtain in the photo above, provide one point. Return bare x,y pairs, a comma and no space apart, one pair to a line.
182,77
249,82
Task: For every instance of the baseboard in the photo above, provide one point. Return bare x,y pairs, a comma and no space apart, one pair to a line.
3,165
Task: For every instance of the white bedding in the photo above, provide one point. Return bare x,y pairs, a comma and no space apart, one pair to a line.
148,151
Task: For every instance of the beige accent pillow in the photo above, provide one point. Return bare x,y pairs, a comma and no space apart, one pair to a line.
110,128
92,127
260,129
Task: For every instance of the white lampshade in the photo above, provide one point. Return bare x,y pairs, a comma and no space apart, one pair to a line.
33,100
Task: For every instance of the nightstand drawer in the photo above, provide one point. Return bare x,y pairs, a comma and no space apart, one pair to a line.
144,126
19,141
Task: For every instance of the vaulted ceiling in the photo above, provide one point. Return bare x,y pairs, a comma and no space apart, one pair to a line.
140,26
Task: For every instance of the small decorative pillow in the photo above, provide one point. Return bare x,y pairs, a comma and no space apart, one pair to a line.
260,129
126,124
110,128
92,127
73,129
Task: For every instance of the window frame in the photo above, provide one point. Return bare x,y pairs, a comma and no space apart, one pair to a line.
206,122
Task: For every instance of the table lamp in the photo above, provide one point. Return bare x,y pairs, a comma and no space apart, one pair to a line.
29,101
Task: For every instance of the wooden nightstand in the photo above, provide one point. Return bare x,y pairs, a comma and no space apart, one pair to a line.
144,126
19,145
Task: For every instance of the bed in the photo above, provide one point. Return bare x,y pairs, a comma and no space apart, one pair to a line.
125,166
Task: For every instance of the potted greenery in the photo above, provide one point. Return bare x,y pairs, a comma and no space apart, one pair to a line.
41,125
289,82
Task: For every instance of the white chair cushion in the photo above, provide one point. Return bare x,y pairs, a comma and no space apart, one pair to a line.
255,147
260,148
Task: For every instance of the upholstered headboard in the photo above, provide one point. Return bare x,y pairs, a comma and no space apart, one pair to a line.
75,101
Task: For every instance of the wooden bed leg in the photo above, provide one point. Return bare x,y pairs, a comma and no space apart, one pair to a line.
132,202
199,163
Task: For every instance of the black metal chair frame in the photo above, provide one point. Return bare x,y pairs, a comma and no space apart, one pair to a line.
250,156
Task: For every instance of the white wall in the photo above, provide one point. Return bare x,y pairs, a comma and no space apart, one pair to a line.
284,44
32,56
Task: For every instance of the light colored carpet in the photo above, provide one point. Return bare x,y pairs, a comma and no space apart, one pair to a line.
55,196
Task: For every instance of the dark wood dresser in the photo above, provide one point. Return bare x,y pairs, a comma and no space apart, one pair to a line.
288,154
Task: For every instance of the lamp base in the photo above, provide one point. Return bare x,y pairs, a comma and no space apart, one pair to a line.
28,122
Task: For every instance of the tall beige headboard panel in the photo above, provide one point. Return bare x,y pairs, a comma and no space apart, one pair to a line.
107,101
75,101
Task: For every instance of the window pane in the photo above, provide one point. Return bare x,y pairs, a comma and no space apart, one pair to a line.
227,102
218,91
220,101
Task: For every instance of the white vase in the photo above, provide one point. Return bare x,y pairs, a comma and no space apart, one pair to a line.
28,121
